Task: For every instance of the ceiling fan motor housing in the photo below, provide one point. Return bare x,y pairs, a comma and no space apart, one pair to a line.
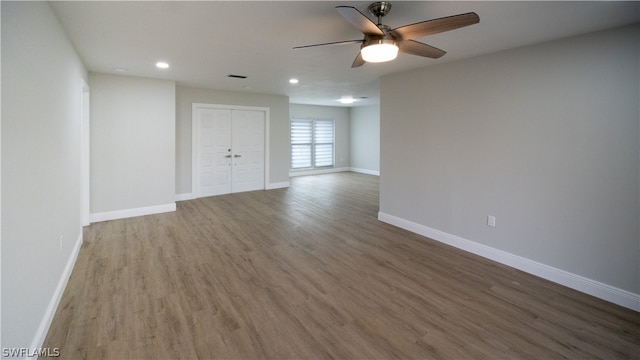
387,38
378,42
379,9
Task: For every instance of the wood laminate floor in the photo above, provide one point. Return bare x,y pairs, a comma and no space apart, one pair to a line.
309,273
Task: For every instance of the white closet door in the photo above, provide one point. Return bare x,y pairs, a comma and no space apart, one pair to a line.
248,150
214,152
228,150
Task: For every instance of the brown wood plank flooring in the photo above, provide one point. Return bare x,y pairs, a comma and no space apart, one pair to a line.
309,273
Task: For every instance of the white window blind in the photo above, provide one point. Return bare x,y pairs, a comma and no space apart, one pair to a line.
311,143
301,143
323,142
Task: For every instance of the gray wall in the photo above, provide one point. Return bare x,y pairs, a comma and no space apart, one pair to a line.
340,115
365,138
132,142
41,92
545,138
278,132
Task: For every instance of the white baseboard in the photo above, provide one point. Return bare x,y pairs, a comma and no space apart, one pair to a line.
50,312
318,172
365,171
127,213
333,170
271,186
279,185
185,196
588,286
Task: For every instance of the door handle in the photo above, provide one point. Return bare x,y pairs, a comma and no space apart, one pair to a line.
237,156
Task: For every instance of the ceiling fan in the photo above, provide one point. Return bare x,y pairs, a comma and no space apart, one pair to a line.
381,43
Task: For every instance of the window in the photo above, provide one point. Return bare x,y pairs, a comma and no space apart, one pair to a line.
311,143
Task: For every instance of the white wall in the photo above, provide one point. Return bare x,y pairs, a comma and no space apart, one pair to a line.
41,93
340,115
545,138
278,132
365,139
132,145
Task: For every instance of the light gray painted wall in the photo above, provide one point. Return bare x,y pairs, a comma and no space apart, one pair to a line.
278,133
340,115
41,87
365,138
132,142
546,138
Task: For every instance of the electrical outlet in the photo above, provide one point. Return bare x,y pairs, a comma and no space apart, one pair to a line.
491,220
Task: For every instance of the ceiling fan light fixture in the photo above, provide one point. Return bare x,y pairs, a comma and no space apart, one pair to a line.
382,50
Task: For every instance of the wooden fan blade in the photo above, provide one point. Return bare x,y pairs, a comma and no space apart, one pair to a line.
435,26
421,49
346,42
359,20
359,61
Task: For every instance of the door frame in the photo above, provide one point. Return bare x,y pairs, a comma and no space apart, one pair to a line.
195,141
85,153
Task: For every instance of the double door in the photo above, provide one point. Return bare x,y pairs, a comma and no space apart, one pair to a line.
230,150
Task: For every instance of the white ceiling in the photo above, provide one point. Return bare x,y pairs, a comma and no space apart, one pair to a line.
206,41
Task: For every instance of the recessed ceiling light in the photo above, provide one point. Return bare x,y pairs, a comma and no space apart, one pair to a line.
162,65
347,100
293,81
